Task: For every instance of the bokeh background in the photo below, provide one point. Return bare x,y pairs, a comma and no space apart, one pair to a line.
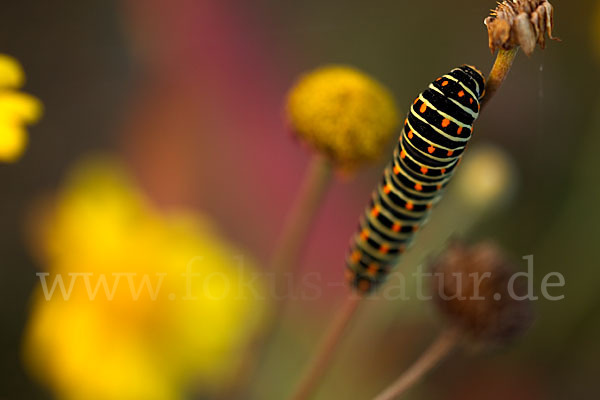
189,95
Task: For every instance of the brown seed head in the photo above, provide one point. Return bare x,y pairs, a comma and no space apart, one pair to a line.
522,23
470,286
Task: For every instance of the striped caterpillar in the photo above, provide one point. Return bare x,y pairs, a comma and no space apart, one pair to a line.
436,132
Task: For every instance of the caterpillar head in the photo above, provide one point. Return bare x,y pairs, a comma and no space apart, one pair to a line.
477,77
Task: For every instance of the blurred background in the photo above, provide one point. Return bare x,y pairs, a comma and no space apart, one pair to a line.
189,95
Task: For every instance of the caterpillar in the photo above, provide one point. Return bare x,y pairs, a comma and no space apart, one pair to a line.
435,135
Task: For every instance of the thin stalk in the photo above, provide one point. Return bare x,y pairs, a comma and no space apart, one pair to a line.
301,216
439,349
284,259
314,373
502,65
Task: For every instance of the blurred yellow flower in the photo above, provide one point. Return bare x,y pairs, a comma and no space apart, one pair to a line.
16,110
150,303
595,30
487,178
342,112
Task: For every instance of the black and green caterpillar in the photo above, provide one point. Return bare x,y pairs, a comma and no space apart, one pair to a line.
435,134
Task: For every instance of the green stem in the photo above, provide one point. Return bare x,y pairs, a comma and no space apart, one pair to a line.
502,65
436,352
320,362
302,214
283,261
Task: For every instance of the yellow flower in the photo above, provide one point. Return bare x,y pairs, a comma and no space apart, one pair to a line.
16,110
486,178
154,303
595,30
342,112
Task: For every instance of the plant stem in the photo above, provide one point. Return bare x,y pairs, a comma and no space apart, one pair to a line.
318,365
283,260
440,348
503,63
301,216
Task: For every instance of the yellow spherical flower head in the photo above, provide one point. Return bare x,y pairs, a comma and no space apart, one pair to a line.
135,303
16,110
342,112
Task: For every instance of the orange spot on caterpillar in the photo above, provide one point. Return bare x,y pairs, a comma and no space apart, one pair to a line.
375,211
461,93
443,171
445,123
429,205
471,100
459,131
410,134
418,187
364,234
355,257
431,149
384,248
438,187
423,108
396,227
387,189
372,270
445,83
403,154
438,79
424,170
397,169
409,206
450,152
416,100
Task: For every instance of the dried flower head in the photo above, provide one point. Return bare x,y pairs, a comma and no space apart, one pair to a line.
343,113
472,286
522,23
